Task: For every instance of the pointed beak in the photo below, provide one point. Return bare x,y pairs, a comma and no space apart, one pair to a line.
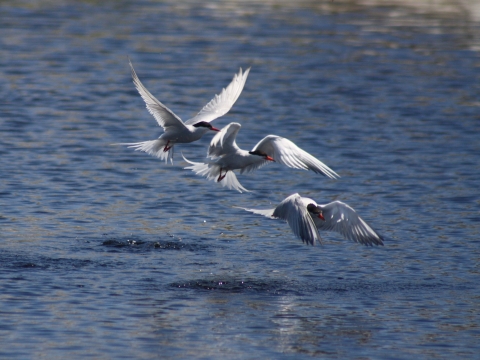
269,158
215,129
321,216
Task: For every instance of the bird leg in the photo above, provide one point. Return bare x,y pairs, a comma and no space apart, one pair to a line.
221,177
166,148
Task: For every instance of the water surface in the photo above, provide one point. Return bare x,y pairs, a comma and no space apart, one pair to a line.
110,253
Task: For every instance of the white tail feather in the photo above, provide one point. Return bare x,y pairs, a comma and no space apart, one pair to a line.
266,212
154,148
212,172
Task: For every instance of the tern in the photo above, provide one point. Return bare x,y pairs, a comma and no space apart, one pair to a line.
177,131
305,217
225,156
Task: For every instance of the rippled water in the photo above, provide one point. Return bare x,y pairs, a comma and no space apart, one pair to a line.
110,253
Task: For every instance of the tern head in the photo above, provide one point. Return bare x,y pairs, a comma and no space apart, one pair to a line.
261,153
205,124
315,210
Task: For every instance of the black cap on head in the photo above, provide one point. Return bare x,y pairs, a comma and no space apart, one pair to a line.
261,153
257,152
203,124
313,209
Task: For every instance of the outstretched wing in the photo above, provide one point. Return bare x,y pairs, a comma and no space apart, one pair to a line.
164,116
224,141
221,104
342,218
287,153
294,211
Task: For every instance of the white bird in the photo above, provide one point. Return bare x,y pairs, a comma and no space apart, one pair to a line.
225,156
306,217
175,130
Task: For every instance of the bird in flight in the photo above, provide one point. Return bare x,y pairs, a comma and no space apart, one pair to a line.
177,131
225,156
305,217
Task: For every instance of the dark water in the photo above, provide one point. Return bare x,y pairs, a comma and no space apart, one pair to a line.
109,253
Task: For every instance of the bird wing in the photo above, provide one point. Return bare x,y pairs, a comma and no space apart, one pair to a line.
224,141
342,218
257,163
287,153
221,104
294,211
164,116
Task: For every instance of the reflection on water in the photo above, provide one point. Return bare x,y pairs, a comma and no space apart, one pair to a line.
106,252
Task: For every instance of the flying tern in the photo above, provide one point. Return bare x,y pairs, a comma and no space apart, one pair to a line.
225,156
305,217
177,131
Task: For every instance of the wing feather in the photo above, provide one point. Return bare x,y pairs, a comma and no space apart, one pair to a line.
287,153
257,164
294,211
224,141
164,116
221,104
342,218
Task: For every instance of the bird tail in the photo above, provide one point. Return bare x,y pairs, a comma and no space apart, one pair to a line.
265,212
212,171
154,148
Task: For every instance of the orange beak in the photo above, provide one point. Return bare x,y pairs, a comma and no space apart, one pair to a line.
269,158
215,129
321,216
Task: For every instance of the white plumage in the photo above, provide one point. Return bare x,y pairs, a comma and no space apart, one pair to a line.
225,156
175,130
305,217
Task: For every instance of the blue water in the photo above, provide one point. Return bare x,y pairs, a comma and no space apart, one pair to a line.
110,253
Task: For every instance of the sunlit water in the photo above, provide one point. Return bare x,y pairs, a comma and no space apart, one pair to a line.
110,253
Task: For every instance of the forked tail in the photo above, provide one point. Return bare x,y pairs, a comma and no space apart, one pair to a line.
267,212
212,172
153,147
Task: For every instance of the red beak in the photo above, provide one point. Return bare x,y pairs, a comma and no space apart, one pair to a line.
214,129
269,158
321,216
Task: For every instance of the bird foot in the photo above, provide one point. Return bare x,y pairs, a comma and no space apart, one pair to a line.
221,177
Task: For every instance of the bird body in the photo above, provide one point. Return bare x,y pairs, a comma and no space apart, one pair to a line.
225,156
163,147
175,130
305,217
